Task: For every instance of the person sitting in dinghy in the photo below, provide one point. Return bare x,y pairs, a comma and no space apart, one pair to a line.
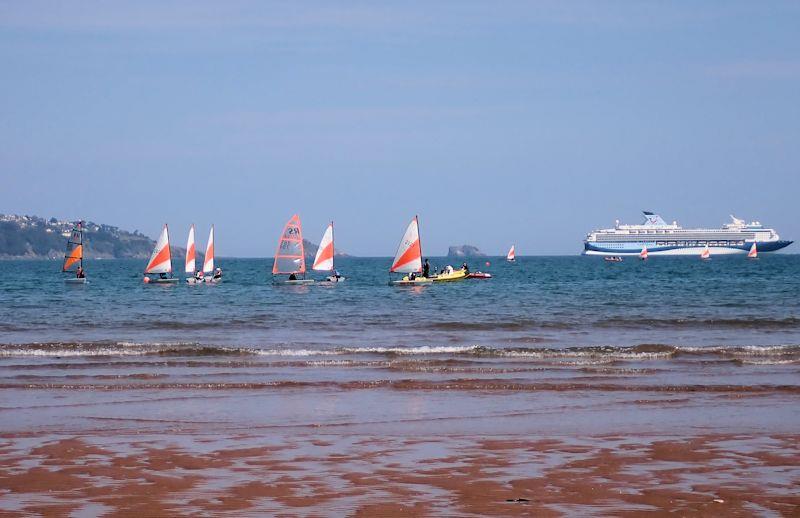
217,274
292,277
162,275
199,275
79,273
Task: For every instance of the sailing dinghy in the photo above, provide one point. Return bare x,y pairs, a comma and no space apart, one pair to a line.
290,256
408,258
643,254
323,261
705,255
511,256
192,277
753,253
211,276
73,256
160,262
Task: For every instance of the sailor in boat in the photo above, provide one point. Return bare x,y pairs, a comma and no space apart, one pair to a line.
292,277
79,273
426,269
465,268
413,275
217,274
162,275
198,276
336,275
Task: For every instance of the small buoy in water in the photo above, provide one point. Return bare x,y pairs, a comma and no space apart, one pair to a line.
487,263
146,279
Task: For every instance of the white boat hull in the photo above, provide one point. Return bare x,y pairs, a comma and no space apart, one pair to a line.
675,251
76,280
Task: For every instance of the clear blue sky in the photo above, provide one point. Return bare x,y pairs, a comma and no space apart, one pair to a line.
496,122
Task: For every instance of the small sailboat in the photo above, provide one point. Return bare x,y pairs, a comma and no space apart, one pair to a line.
643,254
73,256
612,259
753,253
189,269
408,258
511,256
211,276
160,262
705,255
323,261
290,256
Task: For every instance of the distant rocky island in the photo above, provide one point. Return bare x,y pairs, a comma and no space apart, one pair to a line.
32,237
465,251
311,250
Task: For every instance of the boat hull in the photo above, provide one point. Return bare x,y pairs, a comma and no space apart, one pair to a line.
457,275
636,248
419,281
171,280
76,280
287,282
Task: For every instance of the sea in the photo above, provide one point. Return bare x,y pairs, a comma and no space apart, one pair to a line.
563,326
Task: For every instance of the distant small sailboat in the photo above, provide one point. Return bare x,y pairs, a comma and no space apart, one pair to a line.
290,256
408,258
612,259
191,275
753,253
643,254
160,261
511,256
323,261
705,255
208,262
74,255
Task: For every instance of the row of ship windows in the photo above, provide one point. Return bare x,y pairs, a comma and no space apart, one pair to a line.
689,243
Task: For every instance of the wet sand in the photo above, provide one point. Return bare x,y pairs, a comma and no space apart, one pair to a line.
364,475
182,433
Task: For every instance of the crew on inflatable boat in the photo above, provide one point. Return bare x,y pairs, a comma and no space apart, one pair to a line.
217,274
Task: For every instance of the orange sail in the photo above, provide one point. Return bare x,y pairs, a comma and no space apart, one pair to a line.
408,258
290,255
753,253
512,256
706,253
190,252
160,260
74,252
643,254
208,264
324,259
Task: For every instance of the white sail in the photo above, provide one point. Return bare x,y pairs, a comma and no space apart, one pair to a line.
323,261
190,252
753,253
511,254
706,253
208,265
160,260
409,254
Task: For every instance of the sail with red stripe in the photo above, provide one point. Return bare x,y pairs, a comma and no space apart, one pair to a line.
323,261
706,253
160,261
290,255
190,251
74,253
643,254
408,258
512,256
753,253
208,264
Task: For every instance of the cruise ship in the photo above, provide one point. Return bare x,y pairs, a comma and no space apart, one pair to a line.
662,238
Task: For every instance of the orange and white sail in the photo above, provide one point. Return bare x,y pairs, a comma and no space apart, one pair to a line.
408,258
512,256
74,253
160,261
190,251
706,253
323,261
753,253
290,255
208,263
643,254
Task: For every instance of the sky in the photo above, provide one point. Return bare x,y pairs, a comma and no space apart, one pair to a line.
496,122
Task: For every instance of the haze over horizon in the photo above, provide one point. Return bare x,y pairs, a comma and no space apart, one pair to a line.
530,123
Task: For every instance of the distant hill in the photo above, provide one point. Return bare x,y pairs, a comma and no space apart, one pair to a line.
32,237
464,251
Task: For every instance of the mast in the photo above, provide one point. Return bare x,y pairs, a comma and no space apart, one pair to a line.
80,231
333,248
419,234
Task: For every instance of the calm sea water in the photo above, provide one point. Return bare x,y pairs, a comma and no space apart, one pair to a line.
539,302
